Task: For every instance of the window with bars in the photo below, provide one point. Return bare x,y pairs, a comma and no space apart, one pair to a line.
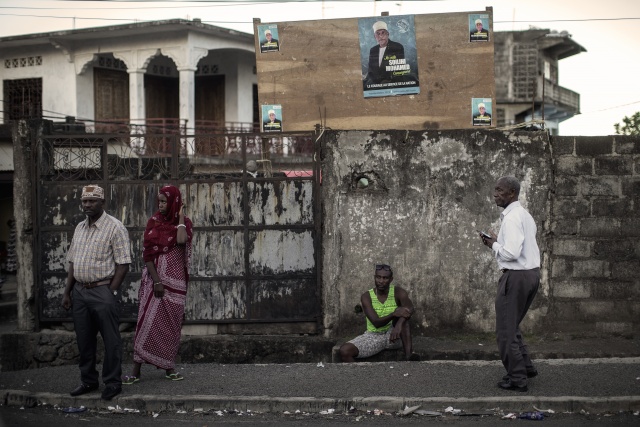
110,62
525,70
22,99
29,61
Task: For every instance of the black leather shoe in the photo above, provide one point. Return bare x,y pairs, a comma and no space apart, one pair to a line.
82,389
532,373
506,385
110,392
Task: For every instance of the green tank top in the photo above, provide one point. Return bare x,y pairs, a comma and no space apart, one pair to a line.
382,310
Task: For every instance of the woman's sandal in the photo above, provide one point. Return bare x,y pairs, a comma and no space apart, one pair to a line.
174,377
130,379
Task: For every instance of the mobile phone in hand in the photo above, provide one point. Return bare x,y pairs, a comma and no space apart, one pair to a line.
483,234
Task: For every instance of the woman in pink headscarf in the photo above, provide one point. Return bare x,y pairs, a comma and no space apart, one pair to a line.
163,289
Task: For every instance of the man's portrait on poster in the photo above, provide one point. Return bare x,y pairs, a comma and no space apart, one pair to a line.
271,122
478,32
386,59
390,66
482,117
268,38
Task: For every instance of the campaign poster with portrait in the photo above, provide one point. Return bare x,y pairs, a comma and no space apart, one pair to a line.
481,111
388,56
272,118
268,38
478,27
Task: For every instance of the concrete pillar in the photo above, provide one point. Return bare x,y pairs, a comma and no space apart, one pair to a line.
187,102
26,135
136,97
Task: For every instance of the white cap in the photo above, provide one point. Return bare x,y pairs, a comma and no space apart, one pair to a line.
271,112
267,32
92,191
478,21
380,25
481,105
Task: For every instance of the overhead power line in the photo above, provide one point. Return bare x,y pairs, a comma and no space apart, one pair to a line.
251,21
182,6
566,20
611,108
117,19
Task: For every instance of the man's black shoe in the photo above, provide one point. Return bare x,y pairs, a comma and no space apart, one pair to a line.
110,392
82,389
506,385
532,373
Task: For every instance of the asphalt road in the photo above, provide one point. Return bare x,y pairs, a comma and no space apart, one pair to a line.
49,417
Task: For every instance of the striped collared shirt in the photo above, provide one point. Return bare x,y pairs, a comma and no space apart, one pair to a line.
96,249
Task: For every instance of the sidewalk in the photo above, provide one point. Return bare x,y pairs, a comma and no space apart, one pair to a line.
593,385
596,373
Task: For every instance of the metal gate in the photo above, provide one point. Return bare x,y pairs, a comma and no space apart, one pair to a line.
253,199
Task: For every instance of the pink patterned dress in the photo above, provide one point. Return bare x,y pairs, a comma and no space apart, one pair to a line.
160,319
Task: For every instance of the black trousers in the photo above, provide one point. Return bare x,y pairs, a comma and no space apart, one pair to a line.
96,310
516,291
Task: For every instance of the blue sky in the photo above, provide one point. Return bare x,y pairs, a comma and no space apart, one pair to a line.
606,76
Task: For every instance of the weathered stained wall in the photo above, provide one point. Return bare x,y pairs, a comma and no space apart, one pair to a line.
428,192
218,291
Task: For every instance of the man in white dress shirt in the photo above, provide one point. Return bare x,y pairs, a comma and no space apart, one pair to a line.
518,257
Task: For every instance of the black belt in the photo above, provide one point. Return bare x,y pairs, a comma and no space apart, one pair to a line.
504,270
94,284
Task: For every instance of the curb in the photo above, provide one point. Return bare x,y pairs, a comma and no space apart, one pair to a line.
268,404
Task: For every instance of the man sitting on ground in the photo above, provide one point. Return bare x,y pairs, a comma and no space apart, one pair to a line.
388,310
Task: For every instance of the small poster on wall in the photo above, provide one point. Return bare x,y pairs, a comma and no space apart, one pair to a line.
388,56
268,36
478,27
272,118
481,110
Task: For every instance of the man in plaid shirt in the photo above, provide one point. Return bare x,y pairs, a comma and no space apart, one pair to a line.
99,258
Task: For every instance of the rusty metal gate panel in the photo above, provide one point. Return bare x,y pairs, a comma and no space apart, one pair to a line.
253,199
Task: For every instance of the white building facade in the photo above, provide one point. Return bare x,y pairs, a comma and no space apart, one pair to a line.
175,74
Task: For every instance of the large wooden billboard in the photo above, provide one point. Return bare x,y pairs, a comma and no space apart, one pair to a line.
436,72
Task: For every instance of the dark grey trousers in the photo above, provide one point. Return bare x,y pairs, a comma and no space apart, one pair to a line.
96,310
516,291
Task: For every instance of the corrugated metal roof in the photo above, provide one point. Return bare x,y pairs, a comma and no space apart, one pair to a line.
6,156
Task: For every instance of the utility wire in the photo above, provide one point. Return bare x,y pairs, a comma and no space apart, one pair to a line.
611,108
226,4
251,21
132,20
567,20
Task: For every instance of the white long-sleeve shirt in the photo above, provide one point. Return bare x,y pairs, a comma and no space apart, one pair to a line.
516,247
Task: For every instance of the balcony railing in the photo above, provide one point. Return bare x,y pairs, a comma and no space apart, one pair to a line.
555,94
171,126
158,136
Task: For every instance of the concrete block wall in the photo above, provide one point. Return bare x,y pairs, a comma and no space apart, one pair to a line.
595,234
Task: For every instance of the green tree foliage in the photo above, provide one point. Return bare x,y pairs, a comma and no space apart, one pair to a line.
630,125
